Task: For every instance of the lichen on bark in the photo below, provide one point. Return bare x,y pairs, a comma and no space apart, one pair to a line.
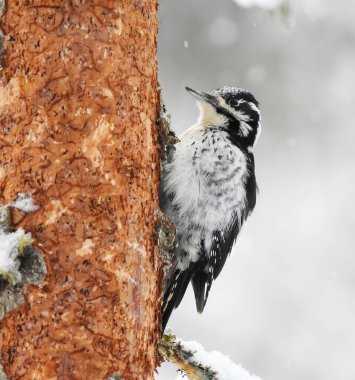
2,374
165,228
2,7
33,271
21,263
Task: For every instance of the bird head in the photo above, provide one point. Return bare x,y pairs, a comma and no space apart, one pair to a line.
232,109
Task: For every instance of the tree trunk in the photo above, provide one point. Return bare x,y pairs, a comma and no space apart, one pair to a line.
78,107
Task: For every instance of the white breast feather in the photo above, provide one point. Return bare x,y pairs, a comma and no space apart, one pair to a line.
209,189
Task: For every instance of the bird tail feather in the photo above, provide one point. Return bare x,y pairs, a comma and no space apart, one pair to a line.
201,285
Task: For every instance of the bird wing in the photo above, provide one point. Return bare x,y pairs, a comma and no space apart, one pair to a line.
222,243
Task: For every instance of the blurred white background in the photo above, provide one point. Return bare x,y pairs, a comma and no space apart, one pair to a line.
284,305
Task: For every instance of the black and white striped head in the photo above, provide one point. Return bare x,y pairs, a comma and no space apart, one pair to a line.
233,109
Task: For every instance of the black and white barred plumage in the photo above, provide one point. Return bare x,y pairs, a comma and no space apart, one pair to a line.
208,189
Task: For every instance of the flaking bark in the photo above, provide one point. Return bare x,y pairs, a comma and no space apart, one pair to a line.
78,105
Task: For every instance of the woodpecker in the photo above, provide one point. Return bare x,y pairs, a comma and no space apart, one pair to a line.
208,189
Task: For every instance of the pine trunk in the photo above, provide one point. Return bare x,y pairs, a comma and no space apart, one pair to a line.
78,107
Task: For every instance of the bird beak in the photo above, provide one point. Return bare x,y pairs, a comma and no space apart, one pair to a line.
202,96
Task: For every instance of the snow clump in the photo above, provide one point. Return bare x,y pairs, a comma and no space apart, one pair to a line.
222,364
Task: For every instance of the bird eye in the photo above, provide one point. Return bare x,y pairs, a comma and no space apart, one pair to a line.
235,103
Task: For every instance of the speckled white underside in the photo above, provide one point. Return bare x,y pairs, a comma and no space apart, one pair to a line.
206,175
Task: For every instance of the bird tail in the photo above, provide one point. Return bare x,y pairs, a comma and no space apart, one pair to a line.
201,284
174,294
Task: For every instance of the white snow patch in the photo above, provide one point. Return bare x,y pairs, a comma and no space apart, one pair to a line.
222,364
266,4
9,244
24,203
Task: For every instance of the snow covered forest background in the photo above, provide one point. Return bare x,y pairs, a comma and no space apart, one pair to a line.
284,305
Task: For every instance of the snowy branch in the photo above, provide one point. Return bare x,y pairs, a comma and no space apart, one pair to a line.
199,364
173,350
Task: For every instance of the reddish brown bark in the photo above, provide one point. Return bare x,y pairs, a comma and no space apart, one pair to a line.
78,102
